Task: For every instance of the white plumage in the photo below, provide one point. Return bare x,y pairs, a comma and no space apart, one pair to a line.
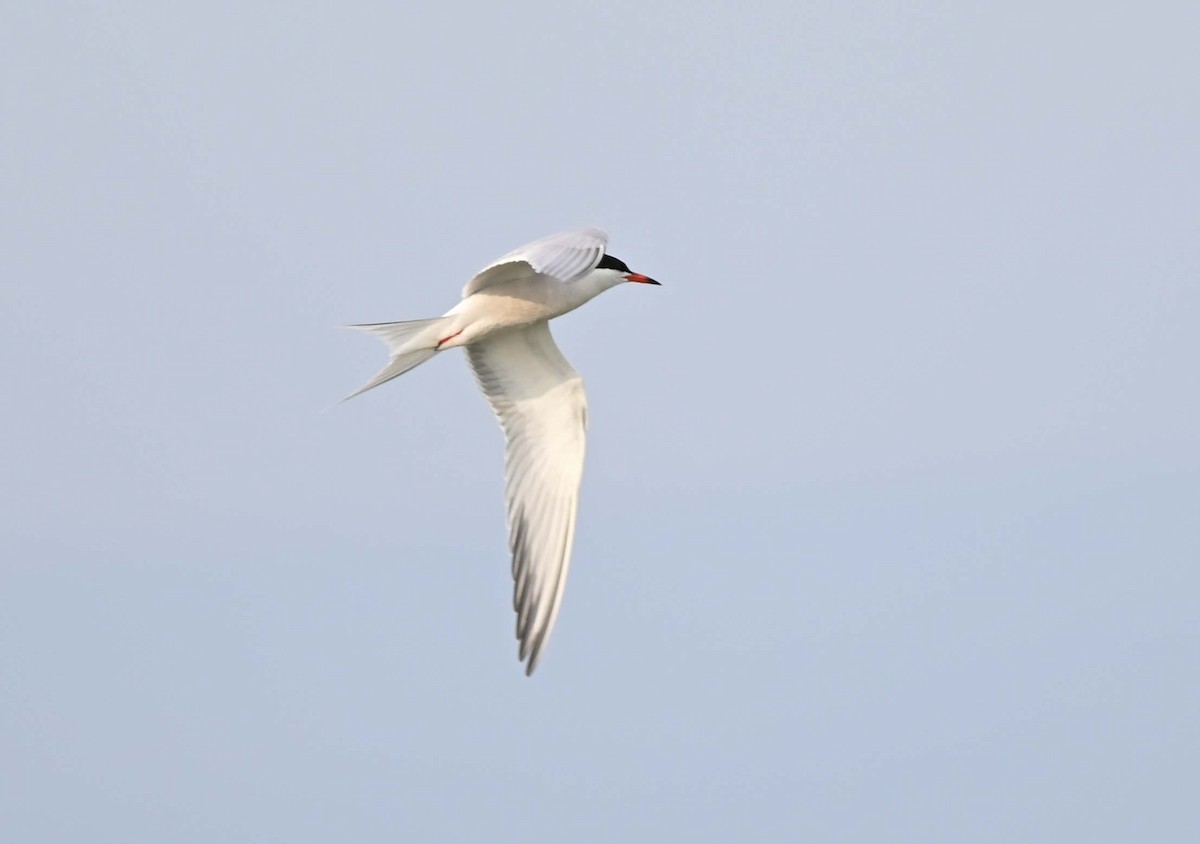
503,321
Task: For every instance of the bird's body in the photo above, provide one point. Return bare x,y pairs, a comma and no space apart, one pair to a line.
503,322
520,302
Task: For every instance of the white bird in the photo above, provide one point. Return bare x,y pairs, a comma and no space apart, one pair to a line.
503,323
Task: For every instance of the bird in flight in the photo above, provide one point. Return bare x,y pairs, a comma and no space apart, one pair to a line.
503,324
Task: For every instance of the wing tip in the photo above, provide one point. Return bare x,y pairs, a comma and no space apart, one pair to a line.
532,664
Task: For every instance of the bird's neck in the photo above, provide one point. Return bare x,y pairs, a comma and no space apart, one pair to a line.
590,286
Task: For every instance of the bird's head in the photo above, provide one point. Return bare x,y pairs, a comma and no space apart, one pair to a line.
621,270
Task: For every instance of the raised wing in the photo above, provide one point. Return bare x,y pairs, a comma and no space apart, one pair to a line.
542,408
567,256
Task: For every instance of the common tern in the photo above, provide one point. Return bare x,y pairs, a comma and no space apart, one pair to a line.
503,324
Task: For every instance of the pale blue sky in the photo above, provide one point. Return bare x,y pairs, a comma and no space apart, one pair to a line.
889,526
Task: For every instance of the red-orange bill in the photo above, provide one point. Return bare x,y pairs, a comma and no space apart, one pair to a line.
640,279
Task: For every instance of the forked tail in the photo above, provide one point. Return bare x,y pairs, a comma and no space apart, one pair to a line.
409,343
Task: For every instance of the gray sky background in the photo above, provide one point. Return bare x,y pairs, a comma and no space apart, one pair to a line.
889,527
